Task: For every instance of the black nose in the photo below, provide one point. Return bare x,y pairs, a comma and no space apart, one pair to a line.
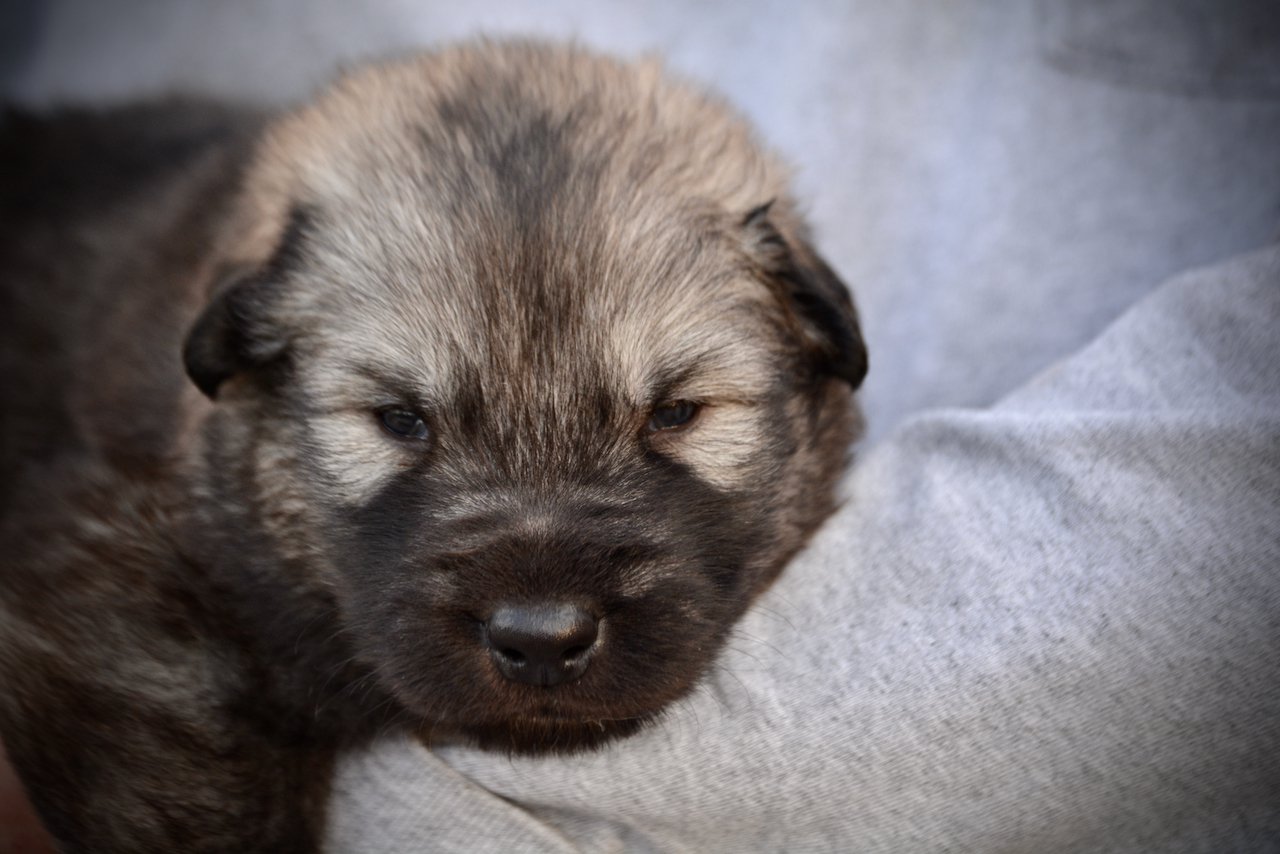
541,643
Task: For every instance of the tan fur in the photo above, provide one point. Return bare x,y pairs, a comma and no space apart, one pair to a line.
687,167
533,249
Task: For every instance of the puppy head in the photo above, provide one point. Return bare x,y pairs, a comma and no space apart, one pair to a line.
534,362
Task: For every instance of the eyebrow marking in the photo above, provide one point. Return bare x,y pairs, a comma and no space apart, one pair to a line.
405,387
663,389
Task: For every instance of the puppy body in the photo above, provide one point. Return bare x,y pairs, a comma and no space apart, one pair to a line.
528,255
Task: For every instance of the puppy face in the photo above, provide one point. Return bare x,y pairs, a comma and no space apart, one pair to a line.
537,373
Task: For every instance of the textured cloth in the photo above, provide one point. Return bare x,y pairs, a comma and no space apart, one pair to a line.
1050,625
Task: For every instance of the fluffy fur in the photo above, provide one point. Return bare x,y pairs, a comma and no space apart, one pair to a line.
210,586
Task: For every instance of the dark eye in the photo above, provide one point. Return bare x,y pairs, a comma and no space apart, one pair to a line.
404,423
670,416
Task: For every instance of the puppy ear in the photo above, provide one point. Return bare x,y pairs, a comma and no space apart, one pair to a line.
236,332
815,295
232,335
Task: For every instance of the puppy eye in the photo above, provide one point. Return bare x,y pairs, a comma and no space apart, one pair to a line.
670,416
404,423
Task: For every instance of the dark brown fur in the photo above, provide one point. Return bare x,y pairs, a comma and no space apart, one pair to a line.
532,248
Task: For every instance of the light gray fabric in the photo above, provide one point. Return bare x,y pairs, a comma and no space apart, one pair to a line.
1050,625
1044,625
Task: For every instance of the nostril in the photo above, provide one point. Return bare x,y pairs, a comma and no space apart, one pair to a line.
541,643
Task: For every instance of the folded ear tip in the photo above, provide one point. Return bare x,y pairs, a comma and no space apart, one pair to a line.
206,350
853,367
208,381
842,353
229,337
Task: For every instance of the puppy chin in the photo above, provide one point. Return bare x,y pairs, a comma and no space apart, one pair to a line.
472,704
530,720
543,735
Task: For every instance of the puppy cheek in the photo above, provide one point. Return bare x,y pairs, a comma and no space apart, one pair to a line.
356,459
724,446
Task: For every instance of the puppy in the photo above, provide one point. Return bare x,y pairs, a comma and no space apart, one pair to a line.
511,378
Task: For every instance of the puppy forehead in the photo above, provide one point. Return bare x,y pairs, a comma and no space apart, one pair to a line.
471,218
642,314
